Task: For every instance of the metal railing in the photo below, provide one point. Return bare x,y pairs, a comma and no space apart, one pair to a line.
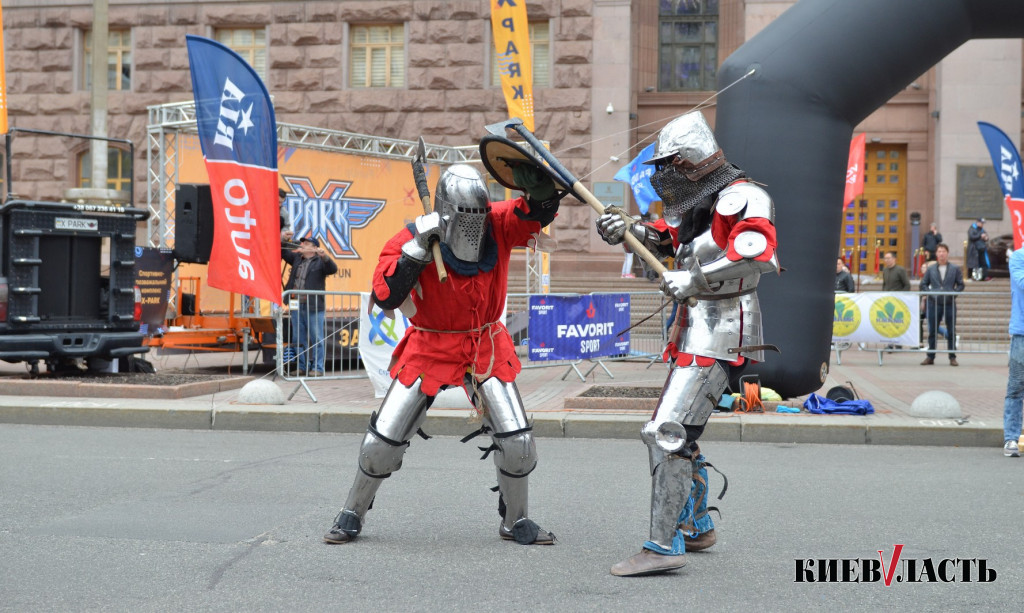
317,335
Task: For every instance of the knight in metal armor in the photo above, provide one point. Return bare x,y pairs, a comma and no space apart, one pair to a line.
719,227
456,339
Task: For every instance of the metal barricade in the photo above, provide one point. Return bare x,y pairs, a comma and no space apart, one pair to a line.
647,338
317,337
980,325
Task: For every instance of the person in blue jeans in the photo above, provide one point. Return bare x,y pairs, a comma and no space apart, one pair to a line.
310,268
1013,406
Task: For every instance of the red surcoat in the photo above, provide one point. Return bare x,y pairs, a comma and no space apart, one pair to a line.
456,327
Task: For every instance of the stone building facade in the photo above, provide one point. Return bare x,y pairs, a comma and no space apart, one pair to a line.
601,99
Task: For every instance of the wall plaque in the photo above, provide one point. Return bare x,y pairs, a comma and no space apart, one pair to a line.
978,193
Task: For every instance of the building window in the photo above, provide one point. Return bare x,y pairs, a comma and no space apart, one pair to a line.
119,60
377,56
119,169
687,45
540,52
249,43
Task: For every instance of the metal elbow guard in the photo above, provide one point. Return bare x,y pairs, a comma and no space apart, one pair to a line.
724,269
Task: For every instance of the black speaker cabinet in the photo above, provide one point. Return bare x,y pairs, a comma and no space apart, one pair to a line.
193,223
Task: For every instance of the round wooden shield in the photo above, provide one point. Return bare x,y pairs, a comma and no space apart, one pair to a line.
499,155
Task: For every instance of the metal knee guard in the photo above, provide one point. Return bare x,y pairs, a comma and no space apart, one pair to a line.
387,438
687,400
512,440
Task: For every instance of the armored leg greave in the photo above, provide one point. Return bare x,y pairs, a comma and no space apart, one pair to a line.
689,396
512,440
387,438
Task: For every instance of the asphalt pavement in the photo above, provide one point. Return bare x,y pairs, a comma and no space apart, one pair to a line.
553,399
119,519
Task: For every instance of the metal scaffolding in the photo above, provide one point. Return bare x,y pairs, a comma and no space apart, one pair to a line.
168,123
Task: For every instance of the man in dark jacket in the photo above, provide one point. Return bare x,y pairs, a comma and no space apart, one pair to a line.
930,242
977,251
310,267
844,280
946,277
894,276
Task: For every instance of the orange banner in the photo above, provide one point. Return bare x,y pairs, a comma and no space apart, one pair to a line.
352,203
3,79
511,32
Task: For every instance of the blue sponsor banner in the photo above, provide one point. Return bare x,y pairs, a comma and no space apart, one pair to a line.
1005,159
578,327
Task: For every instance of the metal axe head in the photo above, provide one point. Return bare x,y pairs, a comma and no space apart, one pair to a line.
502,128
421,151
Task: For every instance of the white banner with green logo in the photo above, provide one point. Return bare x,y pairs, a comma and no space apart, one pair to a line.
878,317
378,337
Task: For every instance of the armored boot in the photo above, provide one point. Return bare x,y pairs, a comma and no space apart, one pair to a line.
670,489
387,438
515,457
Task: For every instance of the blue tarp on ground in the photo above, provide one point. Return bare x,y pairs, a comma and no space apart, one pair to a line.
821,406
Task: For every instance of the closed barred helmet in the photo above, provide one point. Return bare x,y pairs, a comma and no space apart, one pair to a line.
461,196
690,166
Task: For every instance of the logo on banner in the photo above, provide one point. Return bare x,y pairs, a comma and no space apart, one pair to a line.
890,317
382,328
846,318
328,214
574,327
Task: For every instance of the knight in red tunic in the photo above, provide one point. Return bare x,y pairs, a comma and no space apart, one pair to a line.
456,339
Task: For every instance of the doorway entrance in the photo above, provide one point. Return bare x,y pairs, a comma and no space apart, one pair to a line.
877,222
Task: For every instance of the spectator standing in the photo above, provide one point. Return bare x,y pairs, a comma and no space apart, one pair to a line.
894,277
1013,405
943,276
844,280
284,217
977,250
310,268
930,241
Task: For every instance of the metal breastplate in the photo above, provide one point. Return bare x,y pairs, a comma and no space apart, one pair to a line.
727,317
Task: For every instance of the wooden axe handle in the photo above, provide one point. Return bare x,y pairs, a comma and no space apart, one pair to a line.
630,239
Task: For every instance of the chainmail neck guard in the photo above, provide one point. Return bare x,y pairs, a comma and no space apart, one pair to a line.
679,195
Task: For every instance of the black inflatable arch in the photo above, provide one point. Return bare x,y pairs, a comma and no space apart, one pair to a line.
821,68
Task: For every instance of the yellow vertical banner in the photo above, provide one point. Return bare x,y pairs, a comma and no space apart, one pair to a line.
511,32
3,78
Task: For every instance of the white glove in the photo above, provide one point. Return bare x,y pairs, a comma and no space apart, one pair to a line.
612,228
429,228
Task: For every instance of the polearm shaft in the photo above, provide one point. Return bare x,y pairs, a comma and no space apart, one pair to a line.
583,193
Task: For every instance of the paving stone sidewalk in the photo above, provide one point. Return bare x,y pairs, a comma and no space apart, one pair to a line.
343,405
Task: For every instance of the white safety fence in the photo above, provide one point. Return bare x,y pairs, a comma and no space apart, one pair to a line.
980,325
317,336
